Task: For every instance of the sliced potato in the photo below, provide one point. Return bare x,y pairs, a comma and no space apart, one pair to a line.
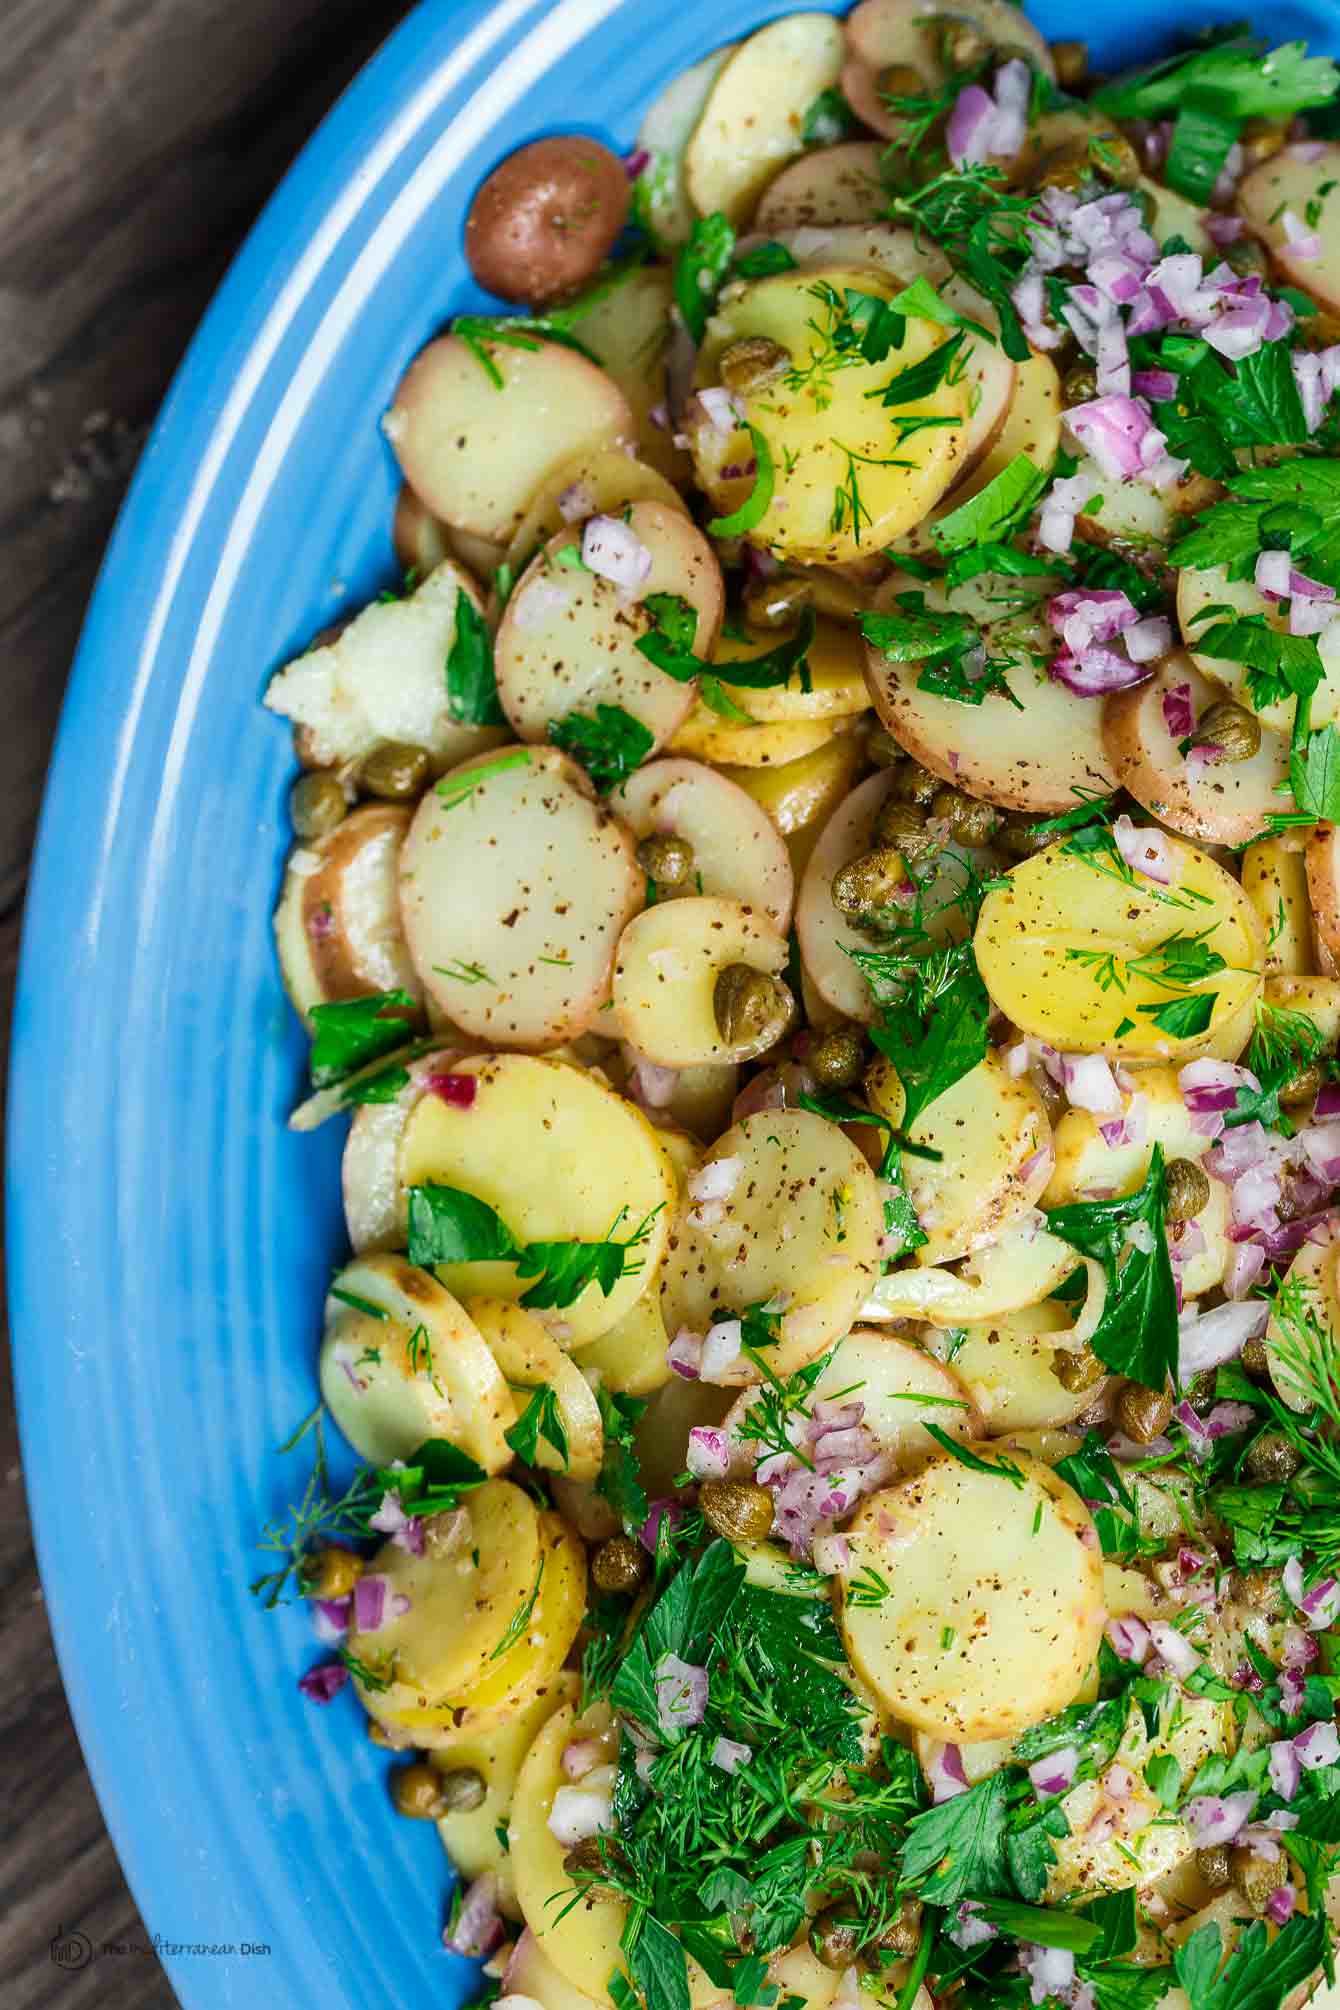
1008,1570
737,853
599,483
421,540
666,972
835,676
401,1361
529,1358
700,1103
706,736
1199,589
800,795
1275,879
374,1202
582,1939
751,123
1224,802
471,1838
1323,883
840,491
1133,514
1317,998
380,678
1313,1274
802,1224
1021,1267
515,885
830,185
532,1660
568,638
630,1357
661,1434
458,439
1089,1168
882,32
903,1389
531,1977
1035,755
1057,901
629,336
561,1158
1032,426
891,248
1287,184
1176,216
338,926
659,194
988,372
1009,1368
988,1139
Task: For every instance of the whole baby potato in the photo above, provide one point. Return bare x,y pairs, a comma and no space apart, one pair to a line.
543,221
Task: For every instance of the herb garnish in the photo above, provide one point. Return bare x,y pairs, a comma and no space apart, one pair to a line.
609,743
447,1225
348,1033
1136,1334
472,688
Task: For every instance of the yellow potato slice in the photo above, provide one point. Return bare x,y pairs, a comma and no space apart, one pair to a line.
803,1223
831,185
568,639
515,885
1313,1273
666,971
701,1100
401,1361
903,1389
1057,901
337,927
706,736
1200,589
841,489
1037,757
751,123
630,1358
661,1434
1323,883
1287,183
1317,998
380,678
536,1655
460,443
1275,880
1012,1569
836,677
581,1940
374,1203
462,1600
989,373
496,1753
1032,426
1009,1369
800,795
1021,1267
561,1158
531,1977
527,1358
629,336
1176,216
990,1134
600,483
738,855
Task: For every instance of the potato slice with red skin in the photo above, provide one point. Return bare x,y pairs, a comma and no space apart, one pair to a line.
883,32
1286,182
891,248
568,639
1222,802
540,225
337,926
602,483
831,185
751,122
1201,589
1033,758
464,450
737,852
1323,883
665,977
512,868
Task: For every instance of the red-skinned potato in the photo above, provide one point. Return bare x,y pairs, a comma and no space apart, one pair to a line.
544,220
1225,802
337,925
1323,883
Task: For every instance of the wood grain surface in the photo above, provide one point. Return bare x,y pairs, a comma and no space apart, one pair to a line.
138,139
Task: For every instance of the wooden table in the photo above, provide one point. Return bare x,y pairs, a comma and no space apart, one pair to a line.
138,139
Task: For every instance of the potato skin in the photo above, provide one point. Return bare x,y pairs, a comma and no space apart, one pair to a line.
541,223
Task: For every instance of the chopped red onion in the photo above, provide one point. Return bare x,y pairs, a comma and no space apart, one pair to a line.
709,1453
1321,1605
1318,1746
614,551
830,1554
1145,851
1280,1904
1309,377
1040,1161
1207,1339
1098,615
1156,385
649,1084
1097,672
970,1929
579,1812
722,407
721,1356
1320,1146
580,1757
1209,1086
370,1597
1286,1768
1119,432
1217,1818
982,125
730,1754
1051,1970
1327,1106
681,1693
1237,1152
331,1619
1310,615
1174,1647
576,502
1055,1774
944,1772
852,1446
1222,230
1129,1637
1089,1084
322,1684
1272,574
649,1534
635,162
685,1354
478,1928
1299,240
1299,1649
1179,714
1149,639
457,1090
715,1179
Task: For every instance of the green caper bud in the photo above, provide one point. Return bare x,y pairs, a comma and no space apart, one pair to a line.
417,1792
1214,1866
881,748
1072,63
463,1790
1262,1588
1019,835
900,80
668,860
395,771
1188,1189
970,821
835,1940
1114,160
1077,1368
904,1935
1254,1359
1200,1392
1079,384
1262,139
1302,1087
331,1572
836,1059
1232,728
1245,256
962,44
916,784
752,1008
776,602
619,1564
870,882
1143,1413
751,362
1254,1877
316,804
903,826
740,1512
1271,1457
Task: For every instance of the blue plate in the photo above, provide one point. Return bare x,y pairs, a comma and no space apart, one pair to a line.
169,1240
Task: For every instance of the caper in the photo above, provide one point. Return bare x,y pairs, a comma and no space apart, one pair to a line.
1261,140
916,784
1214,1866
668,860
1254,1359
316,804
1262,1588
1188,1189
776,602
870,882
1200,1392
836,1058
1271,1457
1302,1087
962,44
417,1792
752,362
585,1861
1143,1413
834,1939
1020,837
970,821
752,1008
903,826
1232,728
1077,1368
395,771
619,1564
904,1935
1254,1877
1113,159
1072,63
331,1572
740,1512
1068,167
1079,384
463,1790
1245,256
882,748
900,80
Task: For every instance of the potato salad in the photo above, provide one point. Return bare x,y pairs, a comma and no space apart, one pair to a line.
817,890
